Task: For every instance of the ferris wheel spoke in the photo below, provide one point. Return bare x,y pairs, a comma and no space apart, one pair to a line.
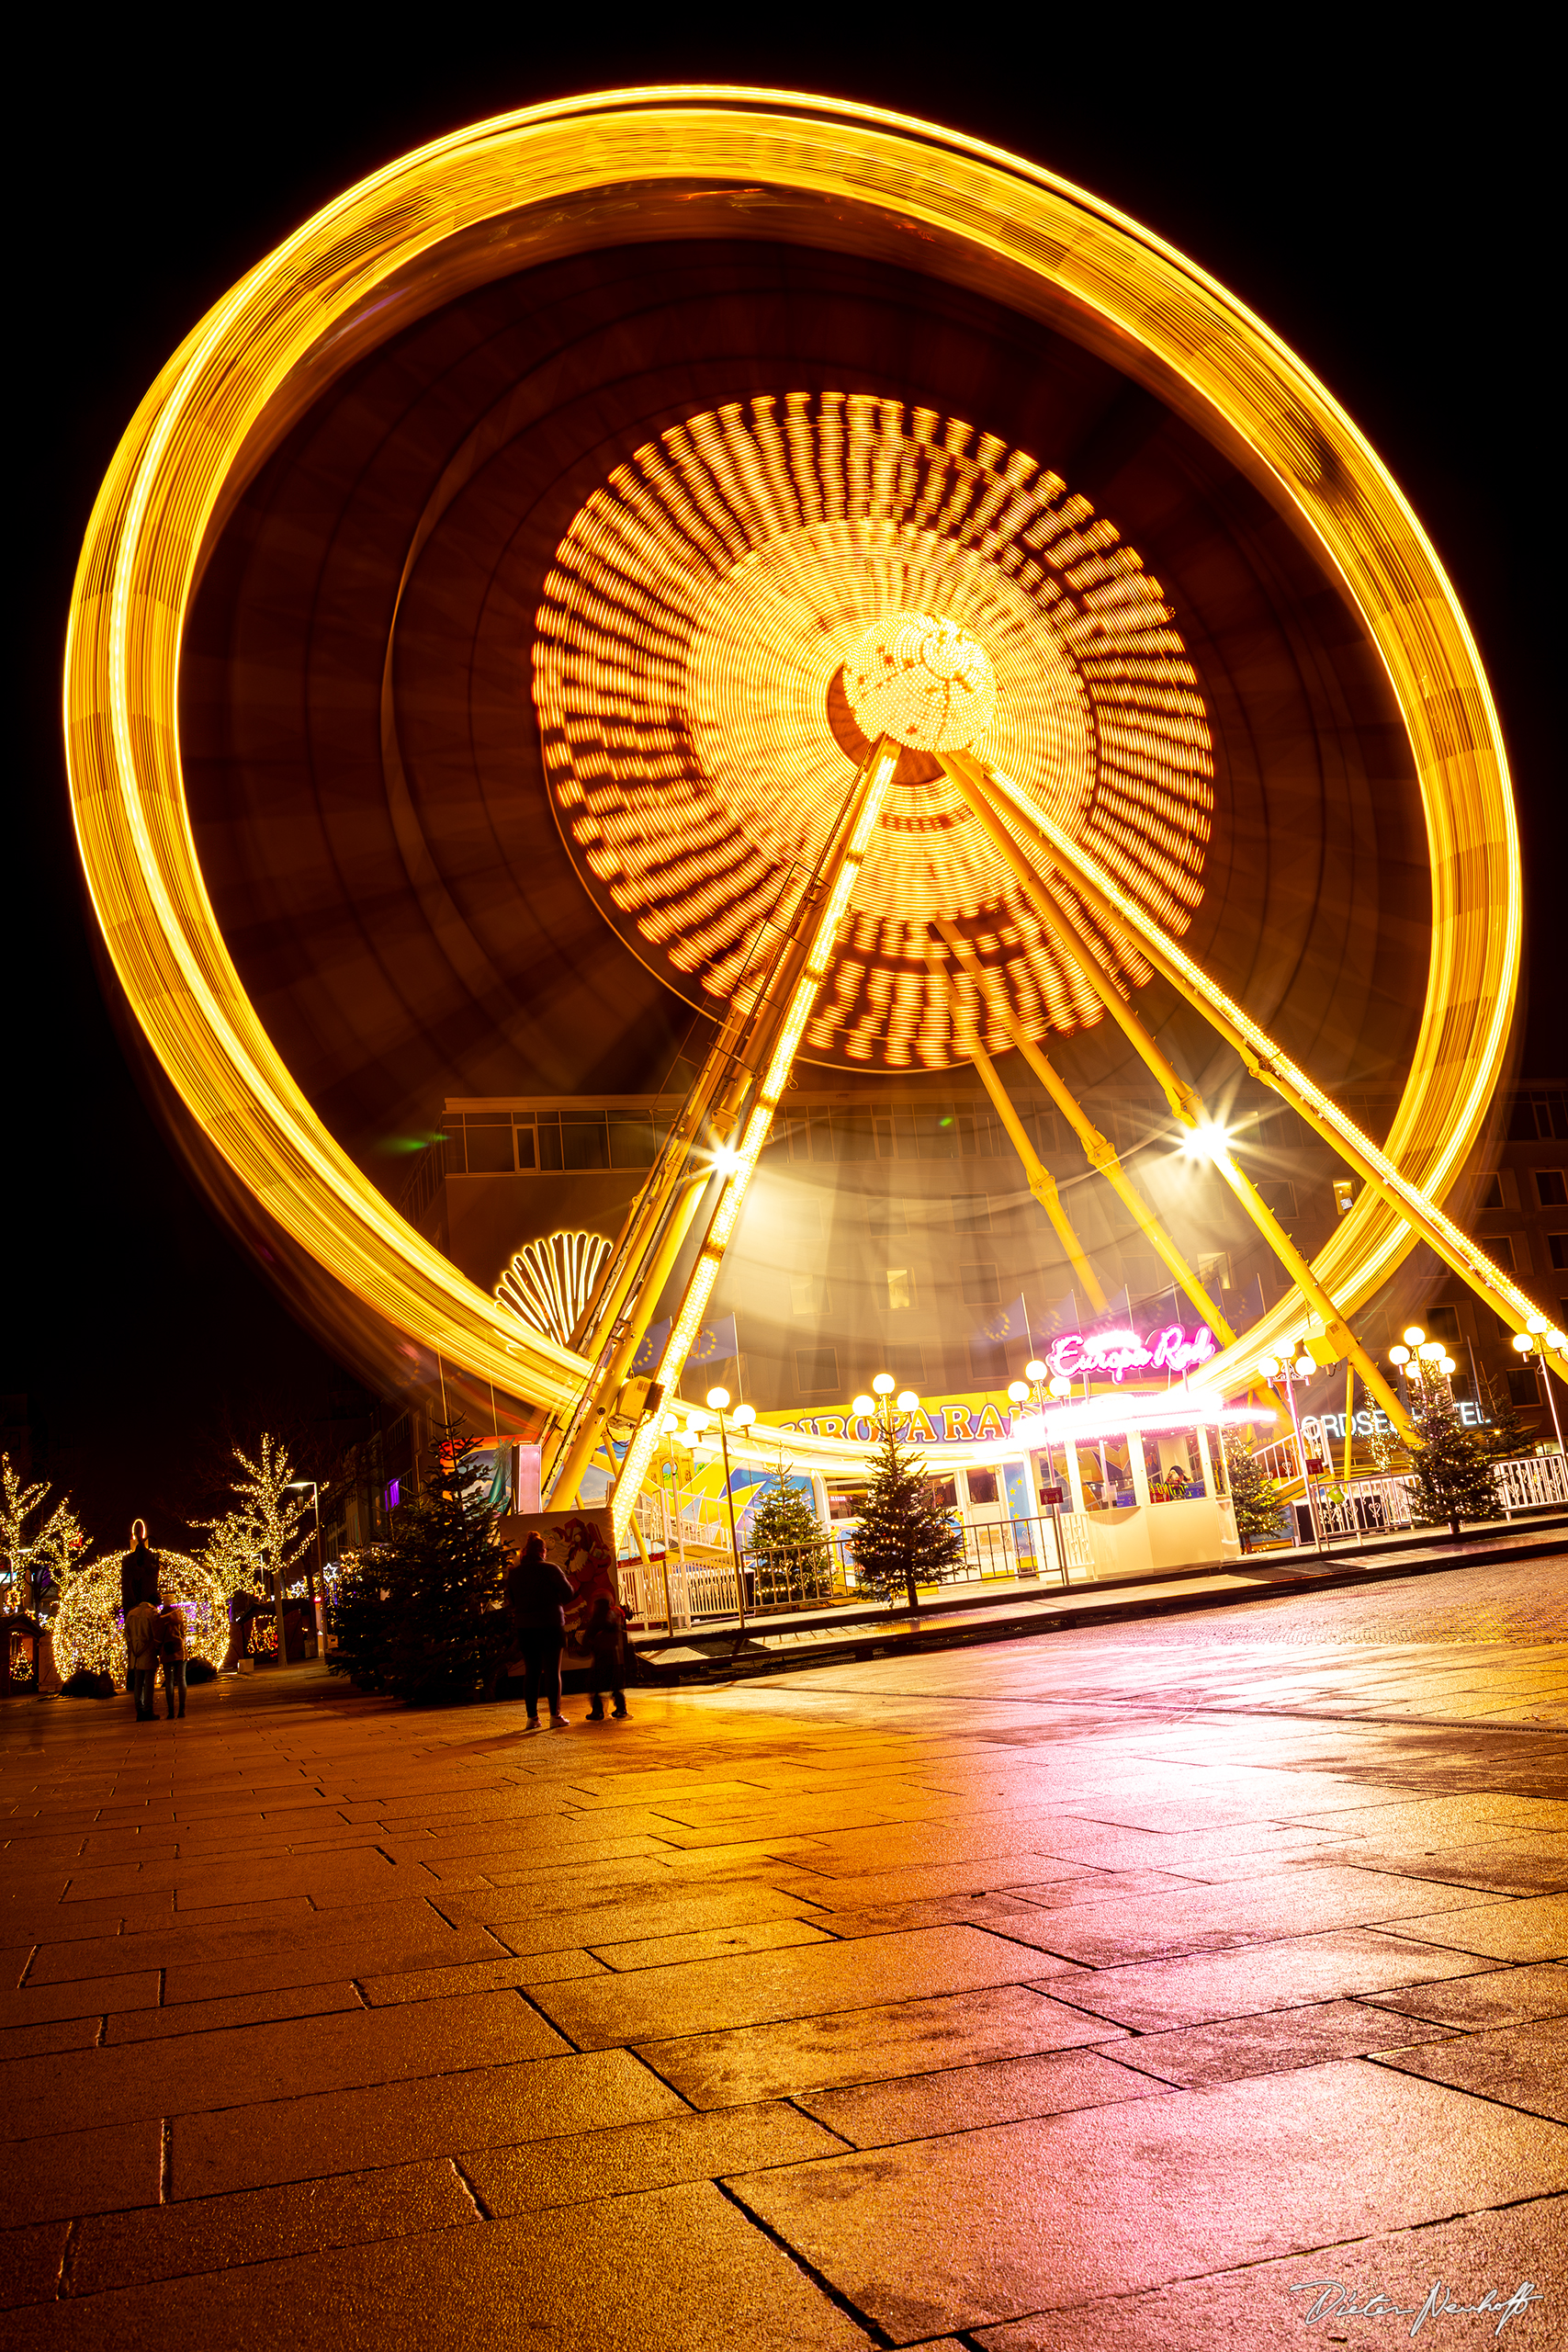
1098,1149
1184,1099
1036,1174
1422,1217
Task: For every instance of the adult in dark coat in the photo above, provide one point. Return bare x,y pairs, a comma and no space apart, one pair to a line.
137,1570
537,1598
138,1582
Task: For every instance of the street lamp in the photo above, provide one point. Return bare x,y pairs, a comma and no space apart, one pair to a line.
1272,1369
1528,1343
320,1576
719,1399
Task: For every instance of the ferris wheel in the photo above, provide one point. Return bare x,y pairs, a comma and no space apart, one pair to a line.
734,553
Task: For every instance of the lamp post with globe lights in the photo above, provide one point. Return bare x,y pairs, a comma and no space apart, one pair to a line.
1032,1389
743,1416
1534,1340
1289,1372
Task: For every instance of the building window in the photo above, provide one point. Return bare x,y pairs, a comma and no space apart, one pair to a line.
908,1365
1558,1245
971,1214
490,1145
816,1369
1501,1247
982,1485
980,1286
900,1287
1442,1323
1550,1187
807,1295
1522,1387
1491,1191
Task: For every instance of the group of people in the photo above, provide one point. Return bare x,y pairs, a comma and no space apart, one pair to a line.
538,1595
154,1630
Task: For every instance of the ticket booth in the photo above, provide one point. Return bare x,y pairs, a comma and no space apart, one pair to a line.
1153,1491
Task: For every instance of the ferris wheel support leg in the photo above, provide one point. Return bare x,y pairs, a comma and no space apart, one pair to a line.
770,967
1036,1174
742,1041
1096,1148
1424,1216
1184,1101
591,1429
840,874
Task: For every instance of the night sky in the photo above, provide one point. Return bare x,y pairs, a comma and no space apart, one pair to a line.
1393,229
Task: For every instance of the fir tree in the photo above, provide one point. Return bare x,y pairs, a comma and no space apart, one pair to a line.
445,1631
904,1537
790,1555
1452,1470
1255,1496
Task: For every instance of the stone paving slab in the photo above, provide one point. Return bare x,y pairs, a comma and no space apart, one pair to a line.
1110,2201
1074,1991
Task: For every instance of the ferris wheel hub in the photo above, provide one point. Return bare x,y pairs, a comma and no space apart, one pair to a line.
927,682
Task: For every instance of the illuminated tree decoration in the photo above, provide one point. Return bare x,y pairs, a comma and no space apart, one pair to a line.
549,1282
89,1630
260,1540
54,1542
735,615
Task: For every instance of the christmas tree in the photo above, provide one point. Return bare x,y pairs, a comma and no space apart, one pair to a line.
790,1555
1452,1470
441,1570
904,1537
1254,1496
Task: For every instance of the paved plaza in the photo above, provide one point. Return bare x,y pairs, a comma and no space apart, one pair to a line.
1114,1987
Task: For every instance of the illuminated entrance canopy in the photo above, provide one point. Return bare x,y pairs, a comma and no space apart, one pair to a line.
1076,1353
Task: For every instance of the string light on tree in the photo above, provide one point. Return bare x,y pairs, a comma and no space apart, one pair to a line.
55,1544
90,1628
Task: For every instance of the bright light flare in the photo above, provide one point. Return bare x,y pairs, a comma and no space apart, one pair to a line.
1208,1140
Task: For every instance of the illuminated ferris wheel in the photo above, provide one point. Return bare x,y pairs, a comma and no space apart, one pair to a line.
734,551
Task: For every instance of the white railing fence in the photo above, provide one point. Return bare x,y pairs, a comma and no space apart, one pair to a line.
1280,1461
1373,1506
1532,1482
691,1578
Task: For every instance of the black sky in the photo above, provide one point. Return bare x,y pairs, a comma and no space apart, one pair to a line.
1390,222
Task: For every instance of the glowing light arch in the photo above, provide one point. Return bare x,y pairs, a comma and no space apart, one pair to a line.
439,220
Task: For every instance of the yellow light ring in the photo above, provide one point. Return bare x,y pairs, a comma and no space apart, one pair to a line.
202,425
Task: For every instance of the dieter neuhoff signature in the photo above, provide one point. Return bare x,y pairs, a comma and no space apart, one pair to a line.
1336,2300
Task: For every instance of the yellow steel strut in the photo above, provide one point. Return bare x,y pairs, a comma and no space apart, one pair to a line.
1036,1174
976,787
1264,1058
1098,1149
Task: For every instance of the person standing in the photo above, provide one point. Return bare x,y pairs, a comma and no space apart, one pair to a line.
172,1653
143,1628
138,1582
605,1636
537,1597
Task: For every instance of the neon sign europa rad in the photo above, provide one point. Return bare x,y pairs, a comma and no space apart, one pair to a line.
1117,1353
